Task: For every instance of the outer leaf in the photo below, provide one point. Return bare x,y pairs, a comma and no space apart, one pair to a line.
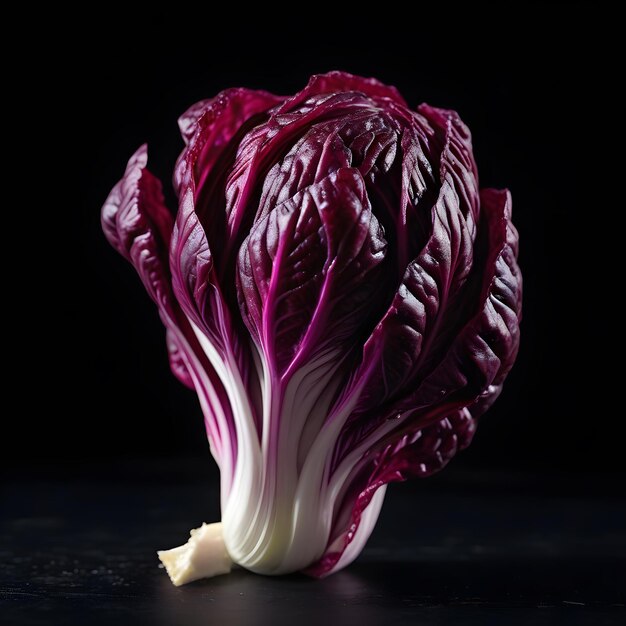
461,385
307,271
418,454
138,225
212,129
399,345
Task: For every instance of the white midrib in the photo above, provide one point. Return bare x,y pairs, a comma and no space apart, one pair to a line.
275,519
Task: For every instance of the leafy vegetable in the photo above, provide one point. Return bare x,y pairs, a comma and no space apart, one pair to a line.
340,294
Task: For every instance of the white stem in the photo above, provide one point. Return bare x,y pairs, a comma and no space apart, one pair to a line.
278,506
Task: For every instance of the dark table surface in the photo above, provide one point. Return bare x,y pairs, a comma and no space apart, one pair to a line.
78,547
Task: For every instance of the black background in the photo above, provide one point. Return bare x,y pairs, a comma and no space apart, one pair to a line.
537,100
104,456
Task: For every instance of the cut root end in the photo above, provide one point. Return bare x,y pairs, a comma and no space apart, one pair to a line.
203,556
